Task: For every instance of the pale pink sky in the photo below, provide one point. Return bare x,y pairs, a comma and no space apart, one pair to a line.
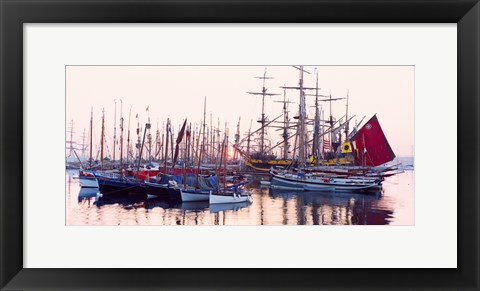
178,92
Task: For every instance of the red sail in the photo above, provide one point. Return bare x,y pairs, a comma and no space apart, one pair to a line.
370,146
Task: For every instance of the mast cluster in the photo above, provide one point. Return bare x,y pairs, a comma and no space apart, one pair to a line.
313,139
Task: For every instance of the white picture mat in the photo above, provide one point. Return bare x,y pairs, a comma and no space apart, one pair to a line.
48,243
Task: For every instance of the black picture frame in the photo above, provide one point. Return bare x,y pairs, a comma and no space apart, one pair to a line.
13,14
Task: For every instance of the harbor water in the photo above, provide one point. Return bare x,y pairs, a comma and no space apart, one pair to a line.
394,205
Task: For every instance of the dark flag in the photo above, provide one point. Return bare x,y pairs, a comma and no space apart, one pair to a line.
179,140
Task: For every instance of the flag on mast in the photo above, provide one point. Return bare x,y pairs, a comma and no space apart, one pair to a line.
326,145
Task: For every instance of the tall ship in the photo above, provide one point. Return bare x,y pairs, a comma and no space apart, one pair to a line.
329,145
258,155
367,147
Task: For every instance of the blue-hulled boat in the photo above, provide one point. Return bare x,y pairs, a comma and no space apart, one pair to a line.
122,186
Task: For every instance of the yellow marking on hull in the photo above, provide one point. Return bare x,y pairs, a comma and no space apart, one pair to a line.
332,162
272,162
256,168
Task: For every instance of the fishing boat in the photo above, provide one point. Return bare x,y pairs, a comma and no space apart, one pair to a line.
229,197
148,174
118,184
85,175
189,195
87,179
195,188
229,194
110,184
222,193
309,182
192,188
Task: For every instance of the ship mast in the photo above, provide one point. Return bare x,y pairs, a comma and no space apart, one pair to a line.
225,150
114,130
346,118
102,137
147,127
302,122
330,121
316,133
149,138
210,140
237,139
301,136
203,141
189,140
128,135
71,142
301,117
204,124
248,140
263,118
137,145
157,143
166,145
285,124
84,146
121,134
91,136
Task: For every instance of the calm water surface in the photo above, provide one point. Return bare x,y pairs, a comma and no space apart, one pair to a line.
394,206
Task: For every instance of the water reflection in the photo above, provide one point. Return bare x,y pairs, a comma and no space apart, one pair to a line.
333,207
87,193
215,208
270,207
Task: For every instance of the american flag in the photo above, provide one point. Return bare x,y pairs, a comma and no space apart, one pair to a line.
326,145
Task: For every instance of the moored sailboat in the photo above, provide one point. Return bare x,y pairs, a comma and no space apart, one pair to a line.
87,179
309,182
233,194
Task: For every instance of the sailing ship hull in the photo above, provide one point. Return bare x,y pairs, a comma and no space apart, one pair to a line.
265,183
293,182
352,171
264,165
144,174
88,182
228,197
117,187
152,174
174,194
194,195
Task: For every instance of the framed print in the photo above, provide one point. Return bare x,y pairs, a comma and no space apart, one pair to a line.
82,61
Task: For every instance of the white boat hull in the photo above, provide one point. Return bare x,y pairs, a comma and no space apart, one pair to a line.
228,198
292,182
88,182
188,196
215,208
